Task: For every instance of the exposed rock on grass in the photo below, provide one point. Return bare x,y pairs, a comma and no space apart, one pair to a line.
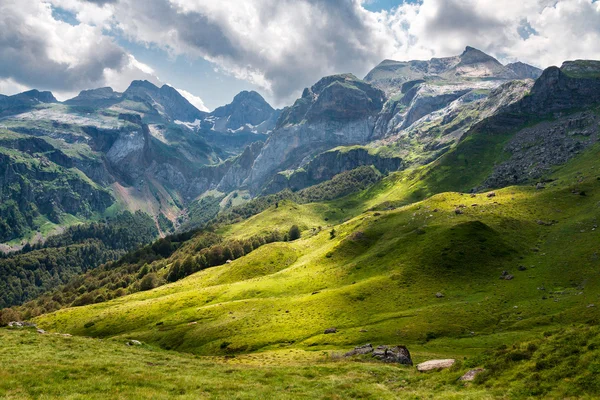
432,365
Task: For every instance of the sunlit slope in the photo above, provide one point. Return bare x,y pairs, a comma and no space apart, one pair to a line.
377,279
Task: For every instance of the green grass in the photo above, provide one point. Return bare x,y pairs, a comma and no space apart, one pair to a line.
554,365
381,273
395,246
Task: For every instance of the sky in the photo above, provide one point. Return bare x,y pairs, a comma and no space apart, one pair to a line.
210,50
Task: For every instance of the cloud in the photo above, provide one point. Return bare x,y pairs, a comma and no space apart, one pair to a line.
540,32
281,46
193,99
38,51
285,45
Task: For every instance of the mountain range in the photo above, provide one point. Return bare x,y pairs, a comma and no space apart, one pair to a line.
149,149
441,214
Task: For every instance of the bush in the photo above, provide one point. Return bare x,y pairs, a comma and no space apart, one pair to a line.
149,282
294,233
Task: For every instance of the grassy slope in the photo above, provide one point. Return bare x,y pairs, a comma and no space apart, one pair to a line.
384,280
376,280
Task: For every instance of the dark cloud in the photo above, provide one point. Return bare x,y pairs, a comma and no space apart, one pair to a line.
283,44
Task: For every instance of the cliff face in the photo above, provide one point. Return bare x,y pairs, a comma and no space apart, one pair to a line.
34,182
330,163
337,110
575,84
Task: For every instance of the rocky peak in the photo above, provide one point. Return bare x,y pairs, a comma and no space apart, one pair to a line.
167,100
575,85
96,97
524,71
36,96
24,101
335,98
471,64
472,55
246,108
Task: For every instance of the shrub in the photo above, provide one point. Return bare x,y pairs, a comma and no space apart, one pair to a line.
149,282
294,233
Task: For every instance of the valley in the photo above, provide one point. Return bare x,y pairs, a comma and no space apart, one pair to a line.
450,206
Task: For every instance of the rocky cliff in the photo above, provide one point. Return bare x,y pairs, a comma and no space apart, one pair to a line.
329,164
337,110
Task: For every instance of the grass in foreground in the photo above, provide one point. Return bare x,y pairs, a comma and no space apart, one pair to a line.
555,365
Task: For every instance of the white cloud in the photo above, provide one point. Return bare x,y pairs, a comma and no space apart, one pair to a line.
193,99
282,45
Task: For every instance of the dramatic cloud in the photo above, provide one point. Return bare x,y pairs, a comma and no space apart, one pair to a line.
38,51
282,46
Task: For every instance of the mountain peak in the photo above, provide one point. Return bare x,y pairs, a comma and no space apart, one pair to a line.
247,107
472,55
524,71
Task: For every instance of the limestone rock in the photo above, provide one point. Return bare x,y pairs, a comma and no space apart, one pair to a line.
435,365
470,375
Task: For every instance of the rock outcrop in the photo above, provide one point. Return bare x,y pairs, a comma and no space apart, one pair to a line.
433,365
388,354
330,163
337,110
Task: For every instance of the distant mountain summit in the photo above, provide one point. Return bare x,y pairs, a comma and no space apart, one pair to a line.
95,97
248,109
524,71
167,100
24,101
472,64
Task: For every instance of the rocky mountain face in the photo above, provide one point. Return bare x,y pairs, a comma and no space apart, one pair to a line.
415,109
166,100
338,110
329,164
149,149
24,101
247,119
524,71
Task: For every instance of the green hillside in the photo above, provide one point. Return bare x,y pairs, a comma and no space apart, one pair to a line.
492,279
558,364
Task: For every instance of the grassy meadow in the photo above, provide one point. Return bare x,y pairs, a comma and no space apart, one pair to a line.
370,265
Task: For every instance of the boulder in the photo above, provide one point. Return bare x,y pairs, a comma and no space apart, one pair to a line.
366,349
133,343
491,194
41,331
439,295
396,354
330,330
435,365
470,375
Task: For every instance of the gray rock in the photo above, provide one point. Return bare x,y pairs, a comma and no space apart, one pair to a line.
366,349
396,354
470,375
330,330
133,343
439,295
432,365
